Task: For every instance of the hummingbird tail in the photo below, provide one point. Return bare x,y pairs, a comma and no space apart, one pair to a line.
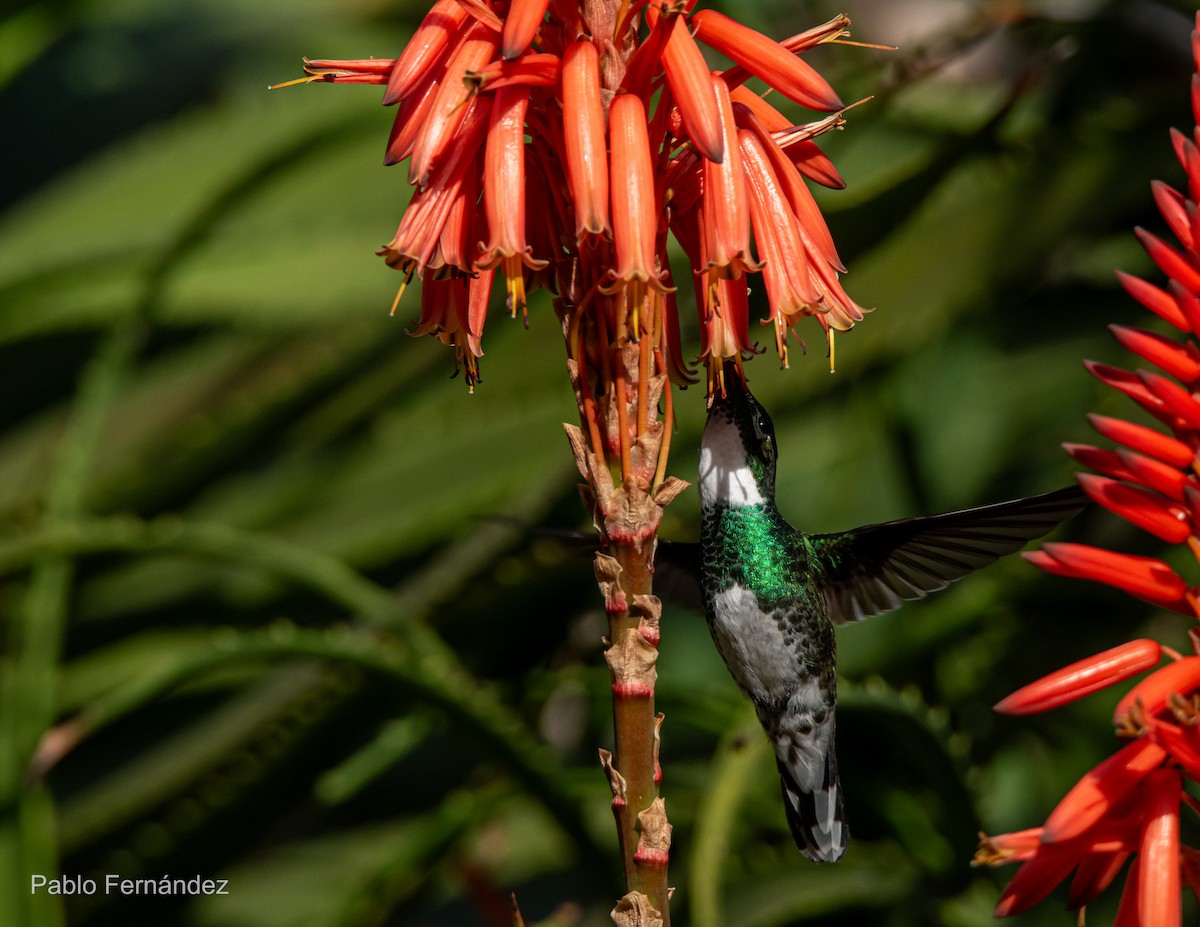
815,814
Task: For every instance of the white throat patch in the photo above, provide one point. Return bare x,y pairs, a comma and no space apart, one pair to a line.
724,474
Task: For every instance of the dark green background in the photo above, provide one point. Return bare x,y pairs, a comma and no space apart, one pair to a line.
186,262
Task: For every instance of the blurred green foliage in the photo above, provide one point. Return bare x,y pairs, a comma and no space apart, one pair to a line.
243,561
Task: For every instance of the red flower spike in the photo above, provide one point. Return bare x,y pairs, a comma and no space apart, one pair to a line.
520,26
634,220
439,31
1188,304
1154,475
1144,577
1158,876
583,136
1148,511
1082,678
1101,788
1180,677
1156,300
1169,261
766,59
768,115
692,89
1144,440
1179,360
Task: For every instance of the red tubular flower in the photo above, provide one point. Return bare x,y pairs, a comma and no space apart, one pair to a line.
439,31
435,136
634,217
692,90
766,59
1100,790
504,194
1144,577
1158,876
583,139
1162,447
1148,510
726,213
521,25
1083,678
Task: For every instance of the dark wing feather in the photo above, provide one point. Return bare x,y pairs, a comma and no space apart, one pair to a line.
875,569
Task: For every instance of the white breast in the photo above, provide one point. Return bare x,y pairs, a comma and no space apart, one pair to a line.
724,474
753,645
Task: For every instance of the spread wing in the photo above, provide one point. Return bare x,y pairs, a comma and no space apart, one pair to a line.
875,569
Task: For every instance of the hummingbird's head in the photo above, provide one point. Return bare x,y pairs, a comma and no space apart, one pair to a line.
737,452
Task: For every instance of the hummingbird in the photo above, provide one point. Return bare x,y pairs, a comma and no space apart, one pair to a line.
773,595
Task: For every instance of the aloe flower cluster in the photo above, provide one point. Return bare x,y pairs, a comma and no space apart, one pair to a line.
559,142
1127,809
562,144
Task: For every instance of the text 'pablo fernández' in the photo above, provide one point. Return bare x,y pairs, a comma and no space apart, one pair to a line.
114,884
